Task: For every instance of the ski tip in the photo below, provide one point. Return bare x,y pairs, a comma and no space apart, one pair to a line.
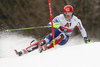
16,51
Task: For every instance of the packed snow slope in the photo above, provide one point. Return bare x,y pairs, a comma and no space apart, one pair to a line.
74,54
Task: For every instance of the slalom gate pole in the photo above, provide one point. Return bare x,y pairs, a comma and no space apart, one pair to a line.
51,22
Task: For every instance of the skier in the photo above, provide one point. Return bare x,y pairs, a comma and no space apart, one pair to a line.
67,21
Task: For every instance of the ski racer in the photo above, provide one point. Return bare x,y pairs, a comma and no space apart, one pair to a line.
67,21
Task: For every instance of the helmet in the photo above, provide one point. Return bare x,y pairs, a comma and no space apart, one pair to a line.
68,9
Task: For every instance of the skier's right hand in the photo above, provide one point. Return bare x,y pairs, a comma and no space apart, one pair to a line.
56,25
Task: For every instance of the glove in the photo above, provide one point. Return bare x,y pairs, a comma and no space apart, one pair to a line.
56,25
87,40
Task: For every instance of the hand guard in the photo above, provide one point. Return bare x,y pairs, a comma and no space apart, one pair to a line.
56,25
87,40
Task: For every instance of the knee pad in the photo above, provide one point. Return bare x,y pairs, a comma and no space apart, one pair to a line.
62,35
65,39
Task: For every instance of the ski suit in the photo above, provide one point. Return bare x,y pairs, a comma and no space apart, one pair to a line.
66,27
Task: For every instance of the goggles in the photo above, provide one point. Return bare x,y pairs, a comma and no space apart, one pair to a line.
68,14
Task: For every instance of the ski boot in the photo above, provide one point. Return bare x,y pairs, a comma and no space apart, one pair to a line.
42,46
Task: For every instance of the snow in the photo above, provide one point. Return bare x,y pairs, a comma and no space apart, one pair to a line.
74,54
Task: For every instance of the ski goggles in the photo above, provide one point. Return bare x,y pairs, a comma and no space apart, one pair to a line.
68,14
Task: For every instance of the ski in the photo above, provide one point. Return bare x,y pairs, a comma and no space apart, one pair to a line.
57,41
35,45
24,51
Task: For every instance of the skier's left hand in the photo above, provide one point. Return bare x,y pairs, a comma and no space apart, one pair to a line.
87,40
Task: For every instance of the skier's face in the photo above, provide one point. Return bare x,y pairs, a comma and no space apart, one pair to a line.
68,15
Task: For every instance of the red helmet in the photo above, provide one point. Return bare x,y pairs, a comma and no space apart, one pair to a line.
68,9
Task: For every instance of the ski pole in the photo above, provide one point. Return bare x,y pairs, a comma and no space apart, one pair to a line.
56,25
